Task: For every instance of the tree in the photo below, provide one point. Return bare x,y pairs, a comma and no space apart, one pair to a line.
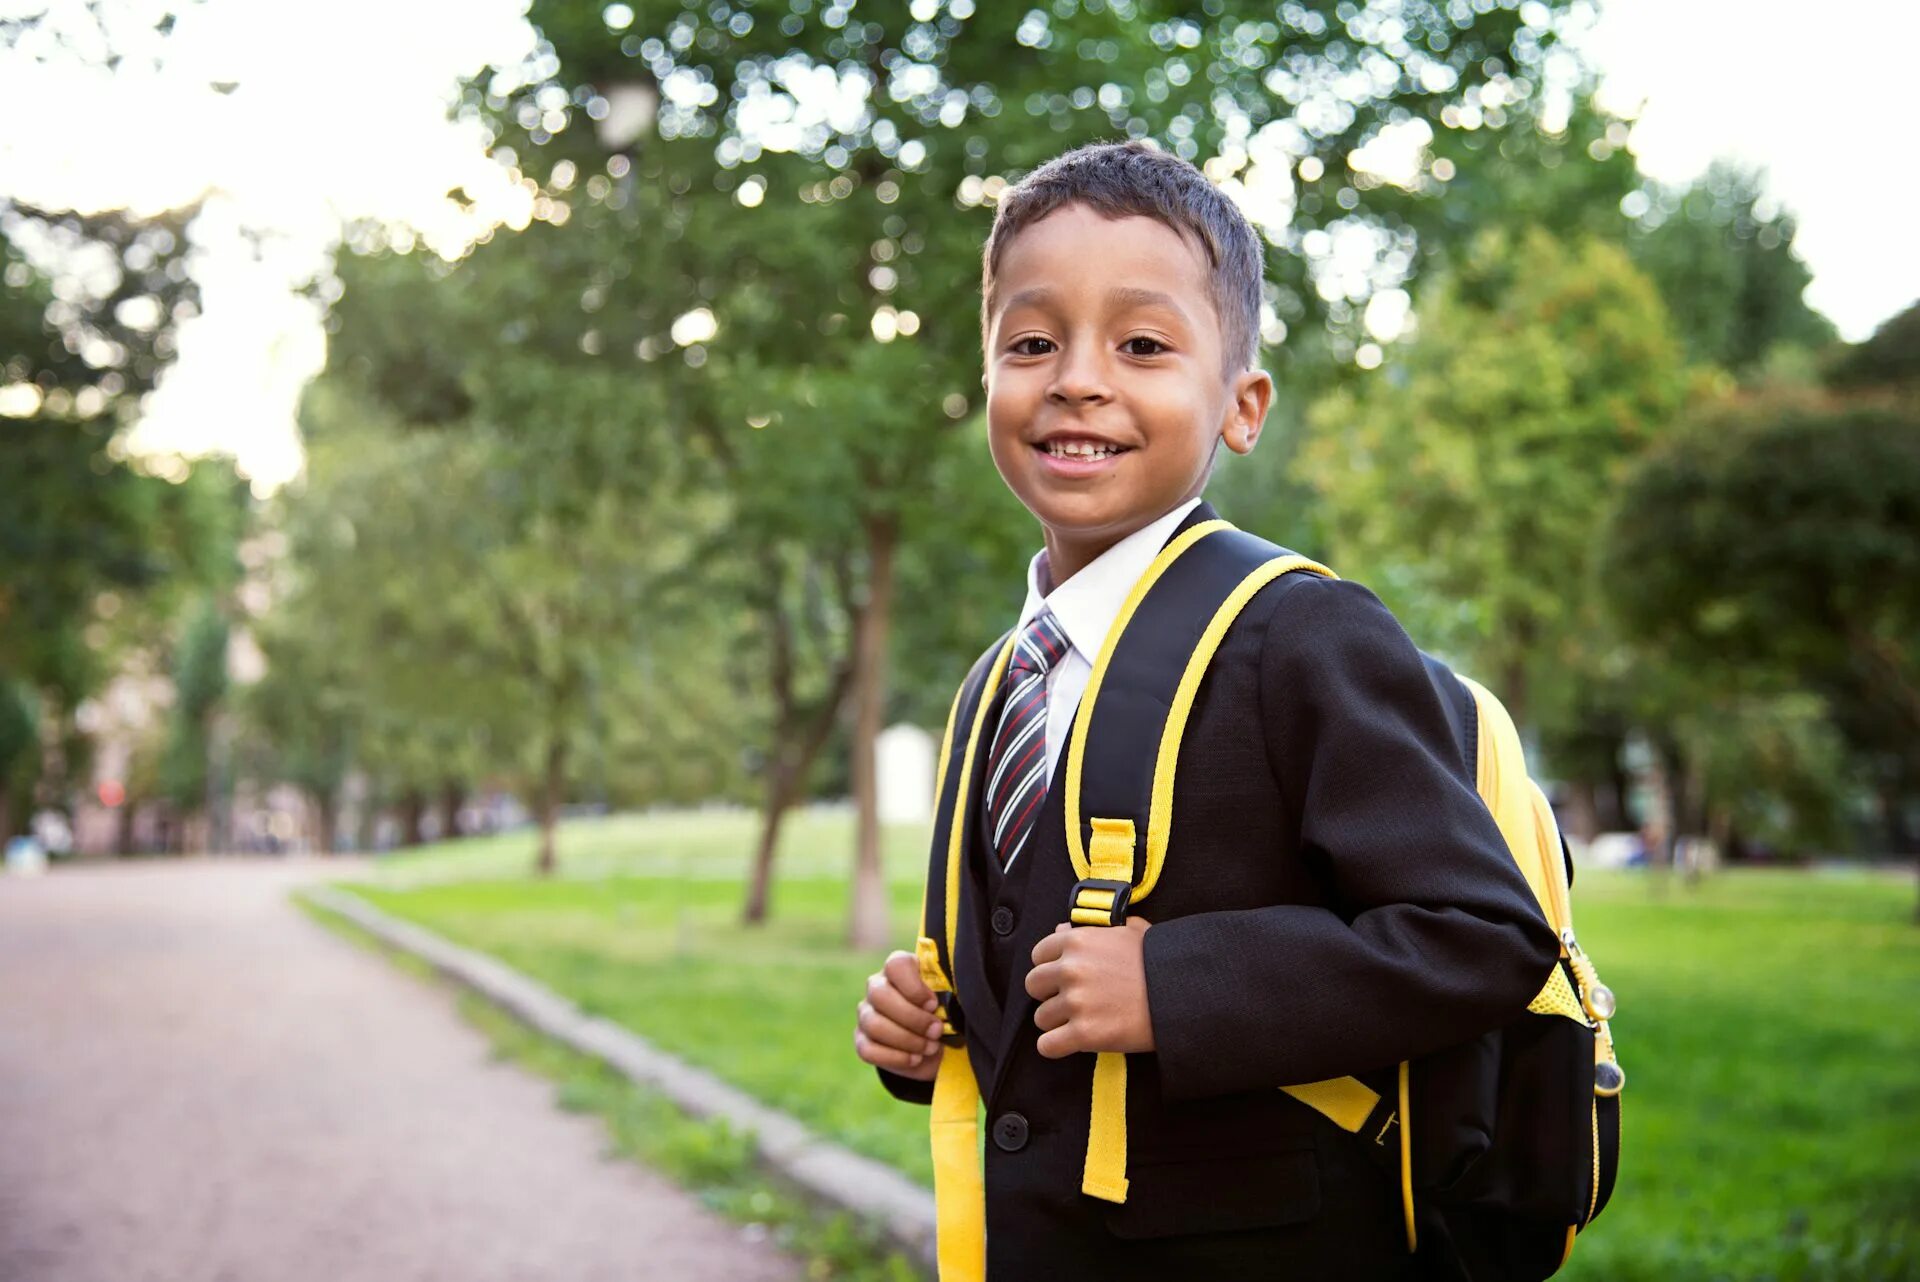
200,685
1782,538
1721,252
1888,362
83,528
816,185
488,512
1469,478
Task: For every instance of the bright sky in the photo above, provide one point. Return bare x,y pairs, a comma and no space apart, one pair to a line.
348,119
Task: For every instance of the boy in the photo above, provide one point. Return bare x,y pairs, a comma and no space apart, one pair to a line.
1337,897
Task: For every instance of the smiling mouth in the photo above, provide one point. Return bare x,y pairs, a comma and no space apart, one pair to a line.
1080,451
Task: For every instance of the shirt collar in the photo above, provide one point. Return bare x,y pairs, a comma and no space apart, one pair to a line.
1087,604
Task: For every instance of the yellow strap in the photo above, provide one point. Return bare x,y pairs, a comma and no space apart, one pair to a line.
1344,1101
1406,1161
959,1185
1105,1174
1077,739
1160,809
957,825
1112,853
1510,794
939,783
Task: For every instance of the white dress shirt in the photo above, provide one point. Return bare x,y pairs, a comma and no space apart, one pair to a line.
1085,606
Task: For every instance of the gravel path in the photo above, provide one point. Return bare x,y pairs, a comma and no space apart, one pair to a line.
198,1084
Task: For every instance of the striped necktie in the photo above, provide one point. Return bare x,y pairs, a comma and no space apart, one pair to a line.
1017,762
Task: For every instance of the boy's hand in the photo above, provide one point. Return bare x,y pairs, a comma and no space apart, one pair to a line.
899,1023
1091,982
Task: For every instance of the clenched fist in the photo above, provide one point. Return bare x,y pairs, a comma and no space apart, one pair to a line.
898,1028
1091,983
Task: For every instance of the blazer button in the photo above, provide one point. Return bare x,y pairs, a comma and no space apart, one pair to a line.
1003,920
1010,1132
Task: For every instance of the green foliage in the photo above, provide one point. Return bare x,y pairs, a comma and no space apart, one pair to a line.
830,439
1783,539
1722,254
1466,481
199,683
492,511
1890,359
1770,1125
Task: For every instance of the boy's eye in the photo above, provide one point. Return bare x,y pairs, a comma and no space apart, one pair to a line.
1021,344
1153,343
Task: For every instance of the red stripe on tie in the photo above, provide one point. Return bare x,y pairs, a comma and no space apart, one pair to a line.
1014,771
1014,831
1011,721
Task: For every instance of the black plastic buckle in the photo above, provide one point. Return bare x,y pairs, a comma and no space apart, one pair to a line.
1116,916
952,1016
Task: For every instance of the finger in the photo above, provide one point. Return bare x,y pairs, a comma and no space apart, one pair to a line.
1059,1043
892,1005
884,1056
1051,946
902,969
880,1029
1043,981
1051,1014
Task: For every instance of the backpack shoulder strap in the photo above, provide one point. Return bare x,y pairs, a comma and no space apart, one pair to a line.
939,903
959,1184
1125,743
1121,758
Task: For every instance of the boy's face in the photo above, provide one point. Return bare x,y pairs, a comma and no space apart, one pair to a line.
1105,391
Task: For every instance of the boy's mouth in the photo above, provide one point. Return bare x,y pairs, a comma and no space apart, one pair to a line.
1078,456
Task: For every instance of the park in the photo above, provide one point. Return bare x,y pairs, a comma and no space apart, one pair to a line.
546,515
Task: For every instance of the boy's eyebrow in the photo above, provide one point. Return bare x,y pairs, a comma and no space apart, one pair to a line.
1125,295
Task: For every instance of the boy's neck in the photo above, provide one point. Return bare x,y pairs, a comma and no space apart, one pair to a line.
1067,555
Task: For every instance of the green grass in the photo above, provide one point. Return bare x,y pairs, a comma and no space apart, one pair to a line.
710,1159
1767,1022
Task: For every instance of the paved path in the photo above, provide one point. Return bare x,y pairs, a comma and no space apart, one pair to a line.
198,1084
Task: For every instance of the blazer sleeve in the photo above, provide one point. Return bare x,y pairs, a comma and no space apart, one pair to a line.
1429,935
910,1089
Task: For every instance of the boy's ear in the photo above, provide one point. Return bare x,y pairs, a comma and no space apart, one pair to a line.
1247,410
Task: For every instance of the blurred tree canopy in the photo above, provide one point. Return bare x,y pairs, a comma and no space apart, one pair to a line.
87,323
1778,540
802,192
1467,480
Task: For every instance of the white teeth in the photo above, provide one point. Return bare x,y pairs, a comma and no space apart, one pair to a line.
1079,449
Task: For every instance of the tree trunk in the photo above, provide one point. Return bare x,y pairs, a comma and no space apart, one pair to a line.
367,820
794,752
781,787
1583,810
412,806
123,828
867,927
1620,791
552,788
327,805
451,795
1513,691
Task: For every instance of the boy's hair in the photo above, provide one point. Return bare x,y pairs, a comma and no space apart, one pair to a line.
1118,179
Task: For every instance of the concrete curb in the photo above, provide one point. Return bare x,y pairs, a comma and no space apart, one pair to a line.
871,1190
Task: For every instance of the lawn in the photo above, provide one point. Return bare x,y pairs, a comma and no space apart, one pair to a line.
1767,1021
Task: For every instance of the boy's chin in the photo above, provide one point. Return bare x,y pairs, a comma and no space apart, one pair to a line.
1089,516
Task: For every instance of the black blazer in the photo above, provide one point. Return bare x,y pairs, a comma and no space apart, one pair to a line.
1336,899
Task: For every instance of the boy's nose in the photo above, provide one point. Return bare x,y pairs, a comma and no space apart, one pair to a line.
1080,379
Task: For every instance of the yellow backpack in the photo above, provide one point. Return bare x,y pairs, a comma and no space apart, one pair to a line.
1510,1205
